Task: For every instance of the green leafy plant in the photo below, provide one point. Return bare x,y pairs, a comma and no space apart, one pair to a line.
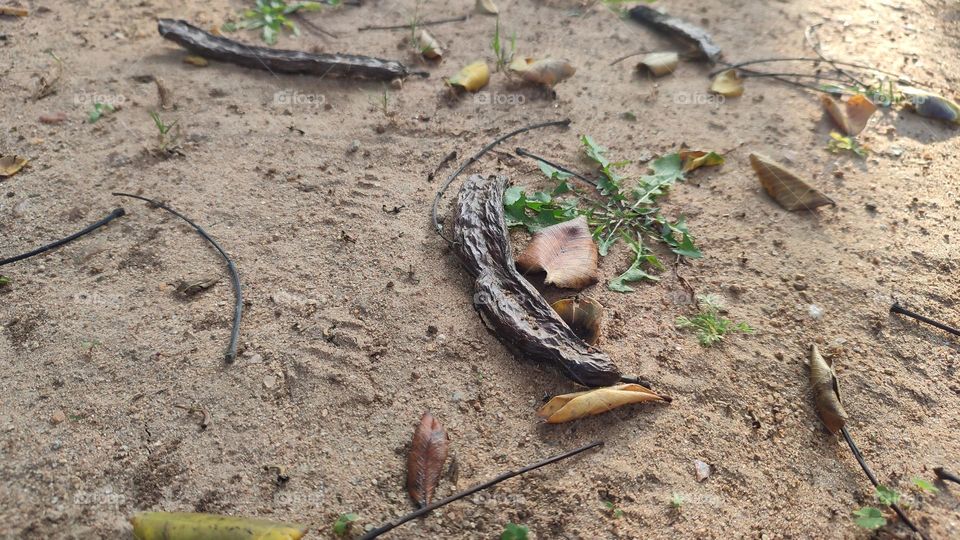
924,486
272,17
99,111
710,326
676,501
613,509
620,210
869,518
842,143
887,496
342,525
167,137
503,55
4,280
512,531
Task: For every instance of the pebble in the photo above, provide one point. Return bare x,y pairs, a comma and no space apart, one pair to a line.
269,381
815,311
354,146
58,417
703,470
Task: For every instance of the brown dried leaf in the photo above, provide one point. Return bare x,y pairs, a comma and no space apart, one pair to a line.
11,165
546,71
785,185
566,252
567,407
826,392
853,116
188,288
12,11
727,83
582,315
425,461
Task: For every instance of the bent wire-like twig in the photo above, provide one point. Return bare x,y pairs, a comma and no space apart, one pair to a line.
113,215
469,491
897,308
231,353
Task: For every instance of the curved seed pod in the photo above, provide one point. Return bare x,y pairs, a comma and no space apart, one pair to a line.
785,185
679,29
582,315
826,392
514,311
425,461
191,526
566,252
545,71
567,407
205,44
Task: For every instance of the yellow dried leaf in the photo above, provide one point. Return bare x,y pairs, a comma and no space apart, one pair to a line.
472,77
583,315
660,63
429,46
826,392
785,185
545,71
191,526
694,159
566,252
727,83
567,407
11,165
195,60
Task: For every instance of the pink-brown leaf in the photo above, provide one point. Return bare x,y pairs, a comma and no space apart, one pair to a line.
425,462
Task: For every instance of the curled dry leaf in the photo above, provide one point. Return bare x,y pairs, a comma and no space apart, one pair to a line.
727,83
191,526
12,11
545,71
195,60
472,77
785,185
853,116
429,46
582,315
188,288
566,252
427,456
11,165
577,405
931,105
487,7
694,159
660,63
826,392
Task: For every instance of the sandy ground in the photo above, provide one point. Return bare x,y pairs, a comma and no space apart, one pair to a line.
358,318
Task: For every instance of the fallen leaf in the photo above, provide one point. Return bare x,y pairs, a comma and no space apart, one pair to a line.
425,461
195,60
472,77
826,392
429,46
11,11
566,252
487,7
545,71
567,407
694,159
10,165
785,185
931,105
183,525
190,288
582,315
703,470
727,83
53,118
660,63
853,116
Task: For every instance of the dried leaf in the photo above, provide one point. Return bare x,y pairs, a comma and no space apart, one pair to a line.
694,159
58,117
785,185
487,7
190,288
853,116
11,11
577,405
566,252
11,165
582,315
826,392
545,71
195,60
931,105
472,77
191,526
660,63
429,46
425,462
727,83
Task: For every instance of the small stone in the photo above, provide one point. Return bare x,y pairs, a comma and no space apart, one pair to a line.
354,146
58,417
815,311
703,470
800,286
269,381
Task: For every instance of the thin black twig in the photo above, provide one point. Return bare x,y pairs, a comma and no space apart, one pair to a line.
443,163
946,476
231,353
897,308
873,480
473,159
408,25
113,215
748,73
469,491
809,35
523,152
313,27
799,59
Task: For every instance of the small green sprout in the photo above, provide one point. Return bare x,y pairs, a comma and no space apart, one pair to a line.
512,531
869,518
343,523
841,143
676,501
613,509
99,111
500,52
924,486
710,326
272,17
887,496
4,280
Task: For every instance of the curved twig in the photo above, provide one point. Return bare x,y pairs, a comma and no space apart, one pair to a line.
476,157
523,152
897,308
408,25
390,525
808,35
798,59
231,353
113,215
